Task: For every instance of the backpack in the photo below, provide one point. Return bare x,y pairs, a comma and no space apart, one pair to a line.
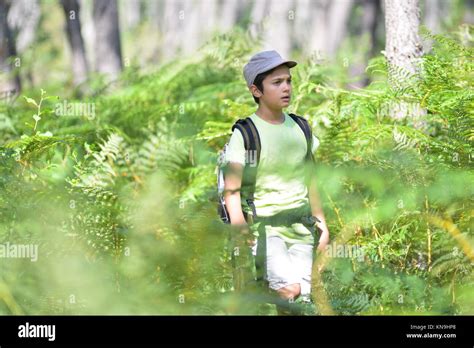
252,147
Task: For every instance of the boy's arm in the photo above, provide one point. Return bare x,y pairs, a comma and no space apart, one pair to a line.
316,209
233,183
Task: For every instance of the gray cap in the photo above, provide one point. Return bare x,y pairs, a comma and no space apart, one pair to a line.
262,62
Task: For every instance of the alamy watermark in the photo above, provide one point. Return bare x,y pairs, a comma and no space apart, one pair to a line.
250,157
37,331
75,109
345,251
21,251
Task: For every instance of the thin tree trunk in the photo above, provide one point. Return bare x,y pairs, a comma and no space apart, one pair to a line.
229,13
108,53
277,33
174,21
368,36
153,13
468,13
209,13
204,22
339,11
302,24
132,13
433,14
370,21
318,44
192,26
403,49
432,19
257,16
243,7
9,79
73,29
87,30
23,20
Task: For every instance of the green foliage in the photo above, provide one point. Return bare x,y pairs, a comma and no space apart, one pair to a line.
121,204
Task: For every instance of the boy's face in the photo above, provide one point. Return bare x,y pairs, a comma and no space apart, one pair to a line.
276,89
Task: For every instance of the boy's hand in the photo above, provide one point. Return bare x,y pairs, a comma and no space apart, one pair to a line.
323,243
244,234
248,236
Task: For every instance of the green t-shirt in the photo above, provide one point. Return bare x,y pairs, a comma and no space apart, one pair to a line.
280,183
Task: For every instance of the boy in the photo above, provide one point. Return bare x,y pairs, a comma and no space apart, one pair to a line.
283,195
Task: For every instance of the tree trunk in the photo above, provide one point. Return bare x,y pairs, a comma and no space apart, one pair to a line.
209,17
192,25
403,46
302,24
203,22
433,14
108,53
403,49
432,19
9,79
318,44
468,12
73,29
330,20
257,16
132,13
173,26
229,13
87,30
243,8
372,12
277,32
154,13
339,11
23,20
368,36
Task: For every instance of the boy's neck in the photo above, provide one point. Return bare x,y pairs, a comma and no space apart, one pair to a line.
271,116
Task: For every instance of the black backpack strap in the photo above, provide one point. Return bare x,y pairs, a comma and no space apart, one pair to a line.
252,146
304,125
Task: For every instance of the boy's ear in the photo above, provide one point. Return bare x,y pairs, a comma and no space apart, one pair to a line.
255,91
